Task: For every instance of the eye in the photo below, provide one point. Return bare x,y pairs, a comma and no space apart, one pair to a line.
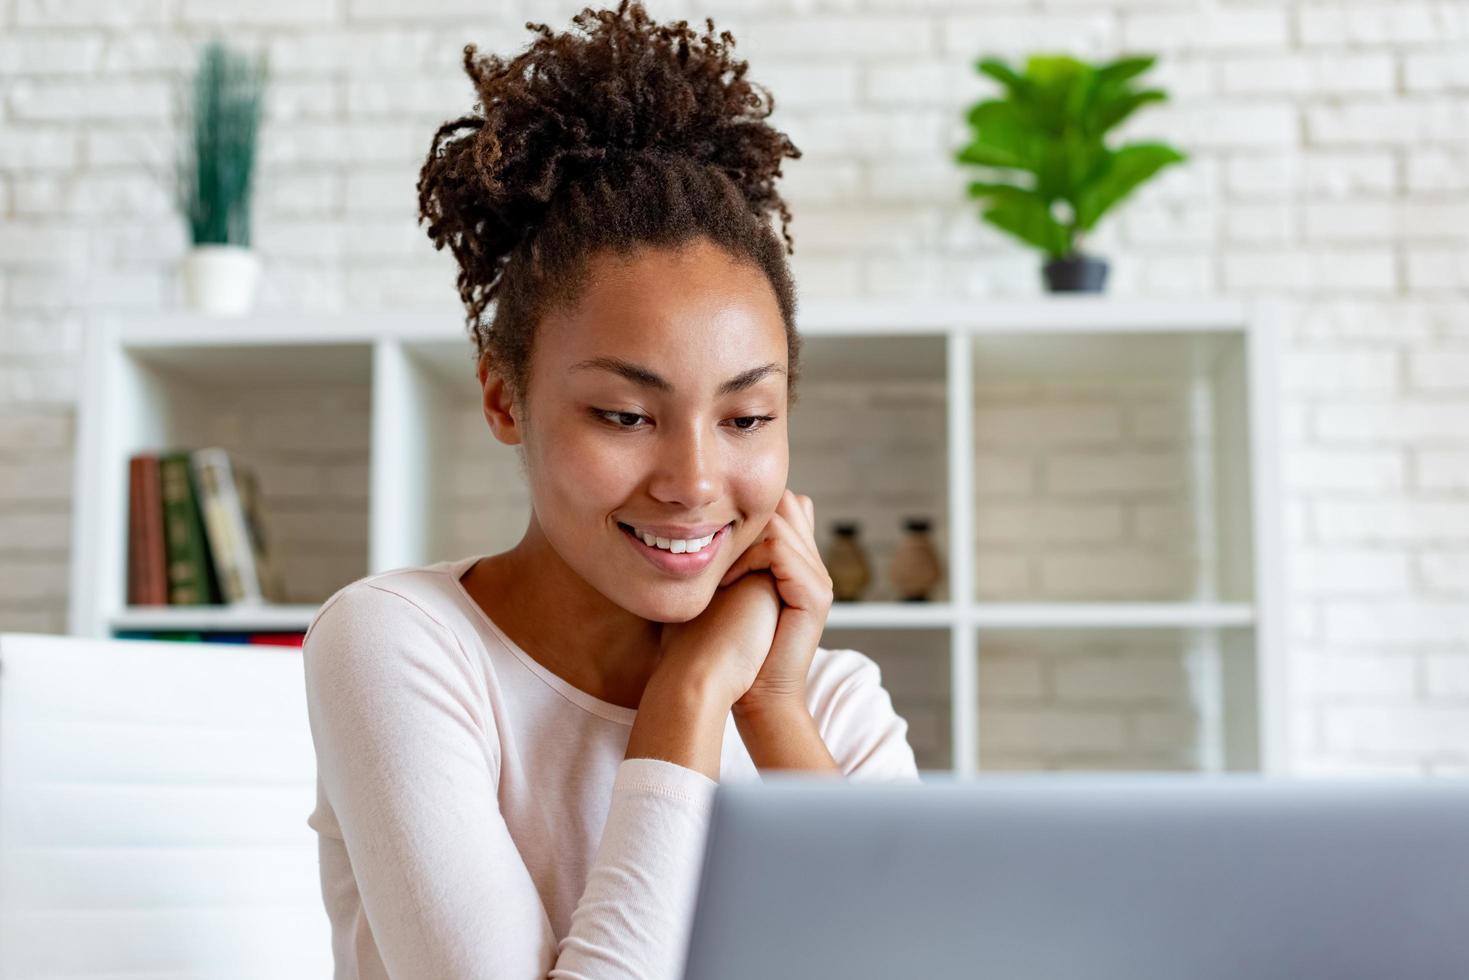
626,421
756,422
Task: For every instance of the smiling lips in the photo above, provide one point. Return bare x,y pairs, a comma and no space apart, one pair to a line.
675,555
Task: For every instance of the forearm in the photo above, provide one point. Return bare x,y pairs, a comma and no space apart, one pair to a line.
680,720
783,738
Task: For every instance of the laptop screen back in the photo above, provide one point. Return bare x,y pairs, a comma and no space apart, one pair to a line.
1142,877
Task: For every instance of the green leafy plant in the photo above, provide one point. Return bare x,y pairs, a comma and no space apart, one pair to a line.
215,170
1046,135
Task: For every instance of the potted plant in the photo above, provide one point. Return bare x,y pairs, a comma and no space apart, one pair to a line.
1045,138
214,180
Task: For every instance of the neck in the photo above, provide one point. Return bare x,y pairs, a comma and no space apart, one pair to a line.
567,626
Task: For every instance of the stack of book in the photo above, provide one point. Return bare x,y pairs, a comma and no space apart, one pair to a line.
196,538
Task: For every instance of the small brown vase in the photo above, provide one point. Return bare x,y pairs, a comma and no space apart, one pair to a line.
914,570
847,563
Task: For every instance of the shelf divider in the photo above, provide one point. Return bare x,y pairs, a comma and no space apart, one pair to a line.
1264,333
963,668
398,465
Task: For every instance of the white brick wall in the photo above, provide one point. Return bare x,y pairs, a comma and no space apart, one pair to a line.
1330,146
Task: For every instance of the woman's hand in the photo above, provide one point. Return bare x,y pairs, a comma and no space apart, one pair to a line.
787,548
724,646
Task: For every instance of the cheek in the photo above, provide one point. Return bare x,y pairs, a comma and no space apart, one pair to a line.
759,479
577,474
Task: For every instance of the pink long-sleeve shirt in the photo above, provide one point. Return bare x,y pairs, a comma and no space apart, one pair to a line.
475,815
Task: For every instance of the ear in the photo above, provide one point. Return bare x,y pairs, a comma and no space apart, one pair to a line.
501,411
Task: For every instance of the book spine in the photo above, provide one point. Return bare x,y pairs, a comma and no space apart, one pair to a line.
266,573
155,556
223,547
135,530
229,522
296,639
190,578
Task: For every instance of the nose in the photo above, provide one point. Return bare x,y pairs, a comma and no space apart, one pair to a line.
686,471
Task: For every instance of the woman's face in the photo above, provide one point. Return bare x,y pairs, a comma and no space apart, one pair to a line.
659,404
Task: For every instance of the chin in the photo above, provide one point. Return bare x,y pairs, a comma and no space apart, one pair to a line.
671,603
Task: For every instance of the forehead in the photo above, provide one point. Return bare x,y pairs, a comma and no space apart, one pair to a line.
691,305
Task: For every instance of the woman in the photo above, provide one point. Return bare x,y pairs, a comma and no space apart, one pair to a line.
516,753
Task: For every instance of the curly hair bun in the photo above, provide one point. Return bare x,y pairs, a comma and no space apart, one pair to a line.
617,89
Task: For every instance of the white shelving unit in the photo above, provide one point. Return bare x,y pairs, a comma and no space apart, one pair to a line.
150,383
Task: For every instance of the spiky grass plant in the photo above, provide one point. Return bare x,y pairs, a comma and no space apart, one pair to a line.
217,165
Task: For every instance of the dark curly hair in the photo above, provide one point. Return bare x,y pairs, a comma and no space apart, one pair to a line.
636,134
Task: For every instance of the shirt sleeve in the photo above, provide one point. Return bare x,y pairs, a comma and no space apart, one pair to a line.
855,715
408,759
635,914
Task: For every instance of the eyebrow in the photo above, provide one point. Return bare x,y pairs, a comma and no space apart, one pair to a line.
647,378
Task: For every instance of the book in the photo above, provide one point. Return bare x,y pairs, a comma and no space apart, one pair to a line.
229,500
172,636
191,578
135,529
147,559
219,503
267,572
297,639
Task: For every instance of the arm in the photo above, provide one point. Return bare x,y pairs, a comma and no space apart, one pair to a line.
408,758
783,737
654,841
680,720
409,764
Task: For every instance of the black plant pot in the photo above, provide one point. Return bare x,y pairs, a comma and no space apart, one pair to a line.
1076,273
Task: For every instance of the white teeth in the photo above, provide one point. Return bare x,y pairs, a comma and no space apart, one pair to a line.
675,545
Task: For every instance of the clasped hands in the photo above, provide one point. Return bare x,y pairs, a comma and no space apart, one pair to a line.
757,637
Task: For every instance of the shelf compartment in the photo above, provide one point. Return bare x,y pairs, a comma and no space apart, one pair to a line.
471,489
1111,467
868,444
1120,700
437,458
299,417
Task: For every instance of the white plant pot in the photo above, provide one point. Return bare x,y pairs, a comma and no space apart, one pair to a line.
221,279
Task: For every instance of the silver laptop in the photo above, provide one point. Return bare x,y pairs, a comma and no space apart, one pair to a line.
1053,877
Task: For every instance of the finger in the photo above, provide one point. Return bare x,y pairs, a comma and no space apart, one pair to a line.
794,511
753,558
809,507
802,584
798,584
798,514
759,554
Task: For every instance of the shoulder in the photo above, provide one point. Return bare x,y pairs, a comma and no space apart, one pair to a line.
389,627
389,680
390,597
